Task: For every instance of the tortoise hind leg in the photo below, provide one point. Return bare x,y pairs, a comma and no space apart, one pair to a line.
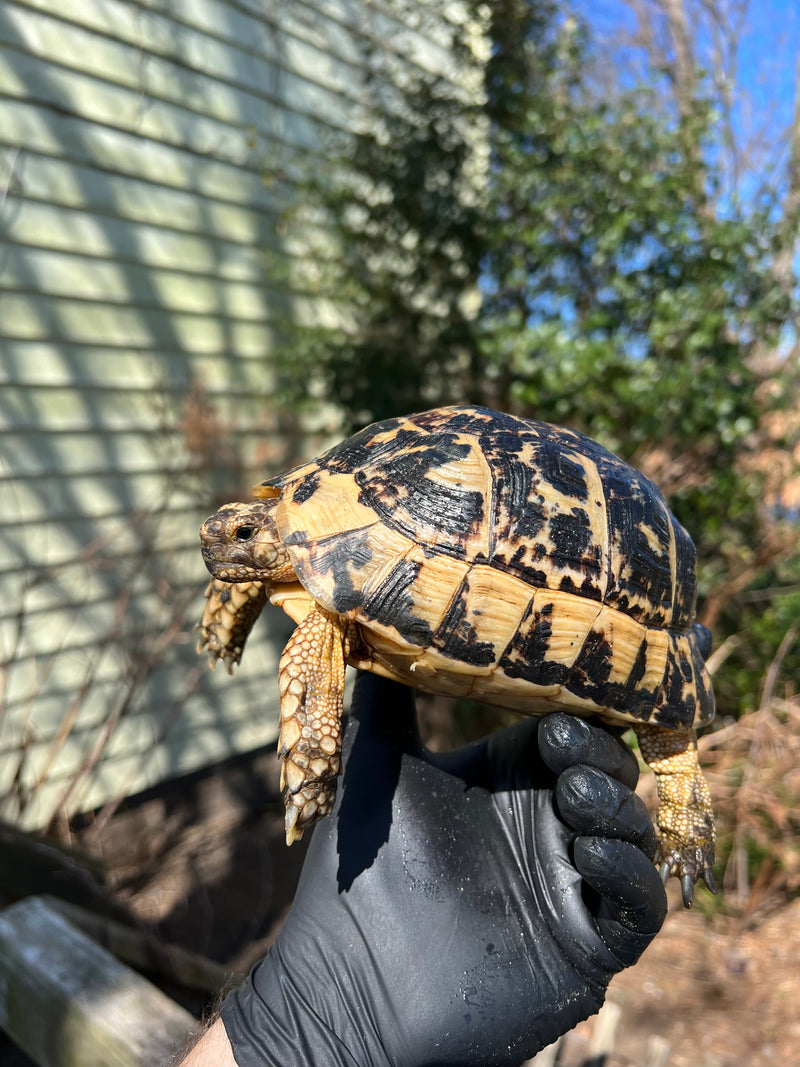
311,681
685,818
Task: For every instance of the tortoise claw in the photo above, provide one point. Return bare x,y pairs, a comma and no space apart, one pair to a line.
687,890
293,832
666,869
708,878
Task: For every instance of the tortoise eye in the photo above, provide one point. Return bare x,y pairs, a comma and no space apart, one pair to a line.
245,533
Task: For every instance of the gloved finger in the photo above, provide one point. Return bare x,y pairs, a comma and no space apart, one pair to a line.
565,740
633,900
597,805
386,713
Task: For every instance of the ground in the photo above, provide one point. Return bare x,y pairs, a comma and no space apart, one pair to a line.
204,861
720,995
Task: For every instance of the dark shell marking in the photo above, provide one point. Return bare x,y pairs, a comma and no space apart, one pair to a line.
402,526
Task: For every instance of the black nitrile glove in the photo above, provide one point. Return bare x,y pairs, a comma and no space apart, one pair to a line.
459,909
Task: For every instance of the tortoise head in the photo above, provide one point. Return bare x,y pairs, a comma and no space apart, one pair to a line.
241,543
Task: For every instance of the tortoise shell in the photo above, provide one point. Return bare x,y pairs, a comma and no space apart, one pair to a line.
503,558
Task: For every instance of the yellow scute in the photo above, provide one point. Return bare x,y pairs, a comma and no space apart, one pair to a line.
332,508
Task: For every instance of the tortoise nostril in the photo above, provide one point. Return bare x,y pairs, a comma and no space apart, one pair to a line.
245,533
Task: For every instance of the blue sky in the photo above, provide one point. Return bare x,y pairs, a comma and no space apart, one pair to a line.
767,61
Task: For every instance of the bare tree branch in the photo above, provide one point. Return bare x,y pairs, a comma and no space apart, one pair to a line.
683,70
782,268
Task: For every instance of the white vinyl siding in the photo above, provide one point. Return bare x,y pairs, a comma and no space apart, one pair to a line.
144,154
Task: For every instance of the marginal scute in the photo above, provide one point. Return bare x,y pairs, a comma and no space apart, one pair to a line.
459,638
611,665
393,605
265,491
528,656
483,617
676,701
549,638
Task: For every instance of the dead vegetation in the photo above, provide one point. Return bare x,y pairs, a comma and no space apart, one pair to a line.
754,770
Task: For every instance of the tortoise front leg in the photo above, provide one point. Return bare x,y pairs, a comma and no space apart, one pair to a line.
311,681
685,818
230,612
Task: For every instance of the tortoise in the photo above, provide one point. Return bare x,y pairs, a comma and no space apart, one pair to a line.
467,552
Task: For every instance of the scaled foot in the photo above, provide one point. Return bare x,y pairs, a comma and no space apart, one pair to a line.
230,613
685,818
311,679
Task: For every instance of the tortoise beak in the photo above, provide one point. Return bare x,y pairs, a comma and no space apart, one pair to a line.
209,555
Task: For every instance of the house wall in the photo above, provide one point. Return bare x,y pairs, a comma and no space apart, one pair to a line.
146,152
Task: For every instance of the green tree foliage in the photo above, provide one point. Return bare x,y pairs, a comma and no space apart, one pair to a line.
560,253
620,299
398,220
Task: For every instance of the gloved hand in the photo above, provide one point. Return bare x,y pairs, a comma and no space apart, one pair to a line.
459,909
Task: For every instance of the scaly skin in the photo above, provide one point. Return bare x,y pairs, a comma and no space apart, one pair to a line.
311,680
685,818
230,613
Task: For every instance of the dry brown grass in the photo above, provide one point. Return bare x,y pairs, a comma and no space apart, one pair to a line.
754,771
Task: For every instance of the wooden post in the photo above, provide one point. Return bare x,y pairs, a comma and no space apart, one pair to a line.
144,953
68,1003
604,1034
657,1052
